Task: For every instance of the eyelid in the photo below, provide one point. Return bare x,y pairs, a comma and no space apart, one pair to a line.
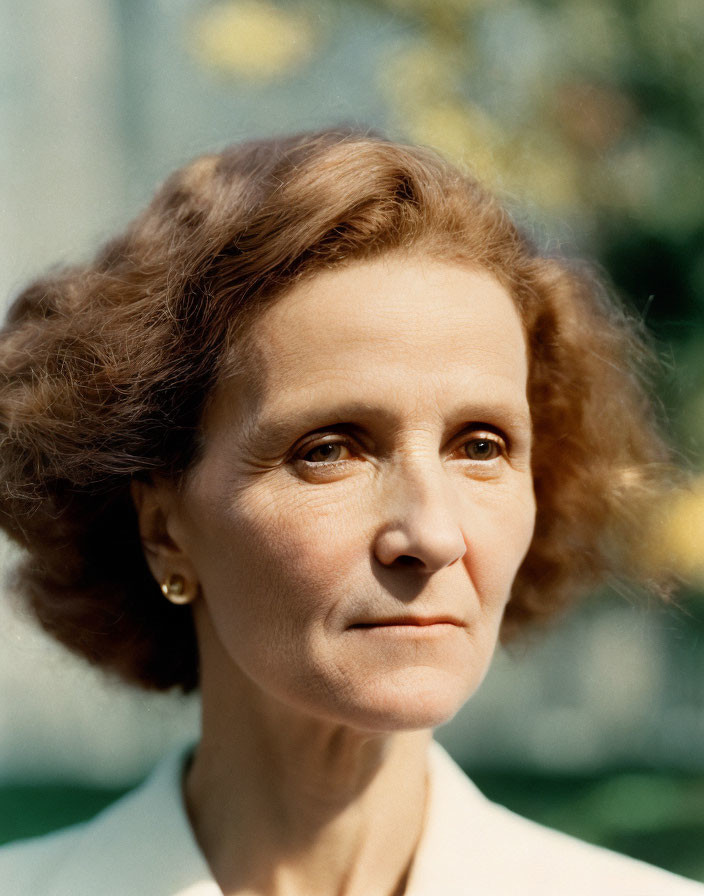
344,436
479,431
324,438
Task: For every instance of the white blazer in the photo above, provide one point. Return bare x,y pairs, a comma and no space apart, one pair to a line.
143,845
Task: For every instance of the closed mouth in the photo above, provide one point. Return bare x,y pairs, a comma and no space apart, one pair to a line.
409,620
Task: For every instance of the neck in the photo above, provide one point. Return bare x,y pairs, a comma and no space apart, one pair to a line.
283,804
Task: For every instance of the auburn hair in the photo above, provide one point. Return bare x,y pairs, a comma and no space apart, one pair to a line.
106,370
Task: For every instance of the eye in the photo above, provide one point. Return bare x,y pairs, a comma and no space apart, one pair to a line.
484,447
326,452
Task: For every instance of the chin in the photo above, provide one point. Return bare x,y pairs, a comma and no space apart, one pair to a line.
416,699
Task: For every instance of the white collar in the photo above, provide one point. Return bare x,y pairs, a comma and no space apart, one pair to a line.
144,843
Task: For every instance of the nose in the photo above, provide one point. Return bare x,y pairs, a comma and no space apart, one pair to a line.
422,526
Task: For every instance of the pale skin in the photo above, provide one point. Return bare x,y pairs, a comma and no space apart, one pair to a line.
370,465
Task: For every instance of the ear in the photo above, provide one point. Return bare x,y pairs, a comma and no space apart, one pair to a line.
157,514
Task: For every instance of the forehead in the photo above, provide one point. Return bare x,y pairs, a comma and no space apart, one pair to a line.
393,328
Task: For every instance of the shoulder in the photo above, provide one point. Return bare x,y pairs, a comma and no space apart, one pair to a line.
467,837
140,844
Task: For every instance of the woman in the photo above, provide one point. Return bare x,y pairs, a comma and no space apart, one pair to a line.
309,436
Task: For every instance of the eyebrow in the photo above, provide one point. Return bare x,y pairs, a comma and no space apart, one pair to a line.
310,418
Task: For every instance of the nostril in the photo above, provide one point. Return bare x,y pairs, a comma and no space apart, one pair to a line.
408,560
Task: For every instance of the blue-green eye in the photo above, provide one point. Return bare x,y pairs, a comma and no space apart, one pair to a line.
483,449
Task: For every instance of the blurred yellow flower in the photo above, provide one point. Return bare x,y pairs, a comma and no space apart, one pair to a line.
678,539
525,167
251,38
461,132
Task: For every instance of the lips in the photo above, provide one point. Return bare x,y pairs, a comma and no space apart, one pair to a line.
409,620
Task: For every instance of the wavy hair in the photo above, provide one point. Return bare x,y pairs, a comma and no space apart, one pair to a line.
106,370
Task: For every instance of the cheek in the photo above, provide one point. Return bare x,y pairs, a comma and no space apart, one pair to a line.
275,584
306,538
520,533
281,550
498,537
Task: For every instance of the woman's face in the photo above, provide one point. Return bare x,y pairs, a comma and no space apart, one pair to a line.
365,495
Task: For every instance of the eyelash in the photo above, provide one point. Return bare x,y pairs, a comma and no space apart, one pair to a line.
482,435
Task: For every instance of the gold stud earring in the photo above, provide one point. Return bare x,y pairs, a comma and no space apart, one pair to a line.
175,589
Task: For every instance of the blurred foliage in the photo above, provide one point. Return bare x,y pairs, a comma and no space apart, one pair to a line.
653,816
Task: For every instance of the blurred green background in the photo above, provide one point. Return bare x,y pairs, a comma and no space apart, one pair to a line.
588,118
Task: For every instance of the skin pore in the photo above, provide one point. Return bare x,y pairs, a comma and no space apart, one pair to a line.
355,523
